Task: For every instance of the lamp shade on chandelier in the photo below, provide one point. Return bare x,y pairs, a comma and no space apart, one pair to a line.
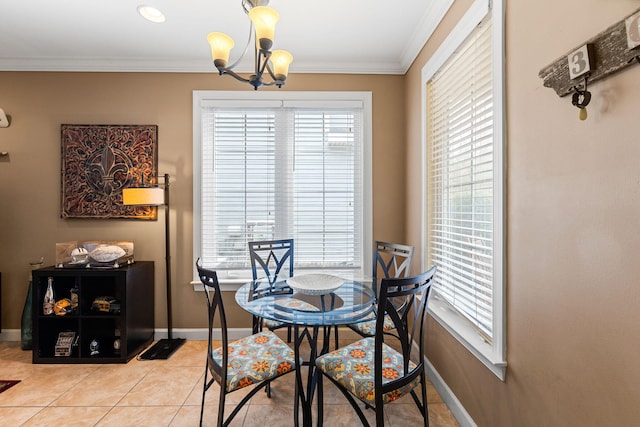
263,24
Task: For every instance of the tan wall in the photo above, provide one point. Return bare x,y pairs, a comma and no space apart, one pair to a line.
573,228
30,223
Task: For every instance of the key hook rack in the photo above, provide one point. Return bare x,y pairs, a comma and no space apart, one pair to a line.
613,50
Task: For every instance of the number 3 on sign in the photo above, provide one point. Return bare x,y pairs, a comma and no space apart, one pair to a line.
579,62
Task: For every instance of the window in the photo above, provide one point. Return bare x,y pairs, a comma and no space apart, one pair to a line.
464,201
282,165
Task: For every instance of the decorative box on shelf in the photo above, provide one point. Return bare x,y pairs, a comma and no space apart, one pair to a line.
94,254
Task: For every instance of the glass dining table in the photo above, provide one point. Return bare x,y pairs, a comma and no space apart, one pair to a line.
312,313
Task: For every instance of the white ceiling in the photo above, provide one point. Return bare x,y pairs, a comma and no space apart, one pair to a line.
328,36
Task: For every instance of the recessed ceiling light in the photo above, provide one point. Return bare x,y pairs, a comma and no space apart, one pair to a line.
151,13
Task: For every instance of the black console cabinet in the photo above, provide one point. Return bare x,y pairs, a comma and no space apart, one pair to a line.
102,333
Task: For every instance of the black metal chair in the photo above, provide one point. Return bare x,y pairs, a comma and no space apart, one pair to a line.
271,260
370,369
390,260
255,360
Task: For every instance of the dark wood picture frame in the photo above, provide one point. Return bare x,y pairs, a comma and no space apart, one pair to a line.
98,161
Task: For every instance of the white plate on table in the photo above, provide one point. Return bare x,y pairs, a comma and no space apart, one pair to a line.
315,284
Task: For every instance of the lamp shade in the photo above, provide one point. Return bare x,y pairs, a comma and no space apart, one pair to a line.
145,196
221,45
264,20
281,60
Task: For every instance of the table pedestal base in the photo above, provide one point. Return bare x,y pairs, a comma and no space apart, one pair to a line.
305,393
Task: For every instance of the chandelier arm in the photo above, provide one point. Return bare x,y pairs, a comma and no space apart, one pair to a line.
273,76
246,48
234,75
260,66
256,63
271,83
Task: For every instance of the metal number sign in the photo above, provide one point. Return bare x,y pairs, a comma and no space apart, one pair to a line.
633,30
579,62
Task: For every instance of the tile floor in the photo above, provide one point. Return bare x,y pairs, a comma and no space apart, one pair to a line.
163,393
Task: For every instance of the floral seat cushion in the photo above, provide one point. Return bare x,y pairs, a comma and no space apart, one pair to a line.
288,303
295,304
368,327
272,324
352,367
254,359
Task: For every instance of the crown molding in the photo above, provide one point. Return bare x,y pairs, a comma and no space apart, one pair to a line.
430,20
127,65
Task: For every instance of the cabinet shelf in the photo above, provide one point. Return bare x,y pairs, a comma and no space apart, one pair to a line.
96,337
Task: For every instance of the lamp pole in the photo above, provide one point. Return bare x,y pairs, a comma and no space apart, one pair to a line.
165,347
167,251
148,196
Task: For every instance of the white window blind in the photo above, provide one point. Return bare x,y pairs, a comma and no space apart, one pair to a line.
282,172
460,126
326,187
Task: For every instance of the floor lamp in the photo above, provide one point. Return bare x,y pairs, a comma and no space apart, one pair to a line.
156,196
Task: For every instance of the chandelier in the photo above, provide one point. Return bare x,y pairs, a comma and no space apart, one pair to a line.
276,63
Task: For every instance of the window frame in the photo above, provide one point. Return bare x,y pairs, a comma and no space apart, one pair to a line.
210,97
492,355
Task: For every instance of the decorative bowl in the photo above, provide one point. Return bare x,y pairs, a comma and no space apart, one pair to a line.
315,284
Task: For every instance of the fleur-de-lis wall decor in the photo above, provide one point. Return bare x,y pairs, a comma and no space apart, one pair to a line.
98,161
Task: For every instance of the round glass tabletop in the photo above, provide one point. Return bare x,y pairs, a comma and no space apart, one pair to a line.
349,303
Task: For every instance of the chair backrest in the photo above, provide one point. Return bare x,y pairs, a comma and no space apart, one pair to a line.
209,279
416,290
271,259
390,260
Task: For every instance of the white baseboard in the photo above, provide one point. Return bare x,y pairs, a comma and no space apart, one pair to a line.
195,334
456,408
189,334
11,335
200,334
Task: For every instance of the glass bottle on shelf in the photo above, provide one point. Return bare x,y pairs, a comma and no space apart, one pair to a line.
49,300
26,324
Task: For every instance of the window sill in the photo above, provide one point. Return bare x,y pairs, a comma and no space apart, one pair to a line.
464,332
234,283
225,285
